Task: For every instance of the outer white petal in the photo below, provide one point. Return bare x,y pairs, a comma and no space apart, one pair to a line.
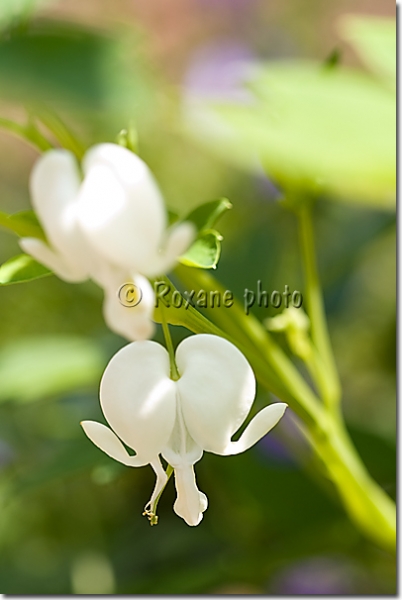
131,322
138,397
178,241
106,440
52,260
217,389
190,502
259,426
54,185
121,208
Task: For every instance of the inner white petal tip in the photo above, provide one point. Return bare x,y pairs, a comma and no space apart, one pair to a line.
190,503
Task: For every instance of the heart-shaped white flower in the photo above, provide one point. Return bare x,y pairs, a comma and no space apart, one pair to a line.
110,226
154,415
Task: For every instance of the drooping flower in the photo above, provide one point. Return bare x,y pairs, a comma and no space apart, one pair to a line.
156,416
109,226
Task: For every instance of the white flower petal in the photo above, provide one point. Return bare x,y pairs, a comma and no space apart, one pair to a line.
259,426
53,261
138,397
217,389
181,449
121,208
54,185
131,322
106,440
190,502
178,240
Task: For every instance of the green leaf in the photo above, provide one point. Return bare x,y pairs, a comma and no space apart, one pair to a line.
13,12
27,132
70,67
51,60
38,367
206,215
24,224
205,251
20,269
374,40
314,131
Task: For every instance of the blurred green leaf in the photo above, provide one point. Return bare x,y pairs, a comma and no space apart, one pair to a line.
374,40
13,12
313,130
38,367
205,251
66,65
20,269
54,60
24,224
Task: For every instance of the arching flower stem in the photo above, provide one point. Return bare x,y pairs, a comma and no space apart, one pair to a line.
367,504
152,506
174,372
325,366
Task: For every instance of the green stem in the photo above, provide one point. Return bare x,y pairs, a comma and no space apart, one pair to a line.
169,472
174,372
364,501
59,129
28,132
261,349
194,321
328,380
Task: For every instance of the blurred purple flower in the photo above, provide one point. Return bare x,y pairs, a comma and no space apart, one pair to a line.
7,454
238,8
267,188
271,447
218,70
318,576
285,443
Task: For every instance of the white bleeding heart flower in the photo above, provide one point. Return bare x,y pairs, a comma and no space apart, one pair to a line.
109,225
154,415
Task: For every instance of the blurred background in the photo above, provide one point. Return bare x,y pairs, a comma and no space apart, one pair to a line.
71,517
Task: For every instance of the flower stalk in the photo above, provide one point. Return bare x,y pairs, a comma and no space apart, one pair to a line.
327,375
367,505
174,372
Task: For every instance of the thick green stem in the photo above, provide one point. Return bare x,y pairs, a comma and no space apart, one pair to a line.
327,380
174,372
364,501
28,132
262,351
367,505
